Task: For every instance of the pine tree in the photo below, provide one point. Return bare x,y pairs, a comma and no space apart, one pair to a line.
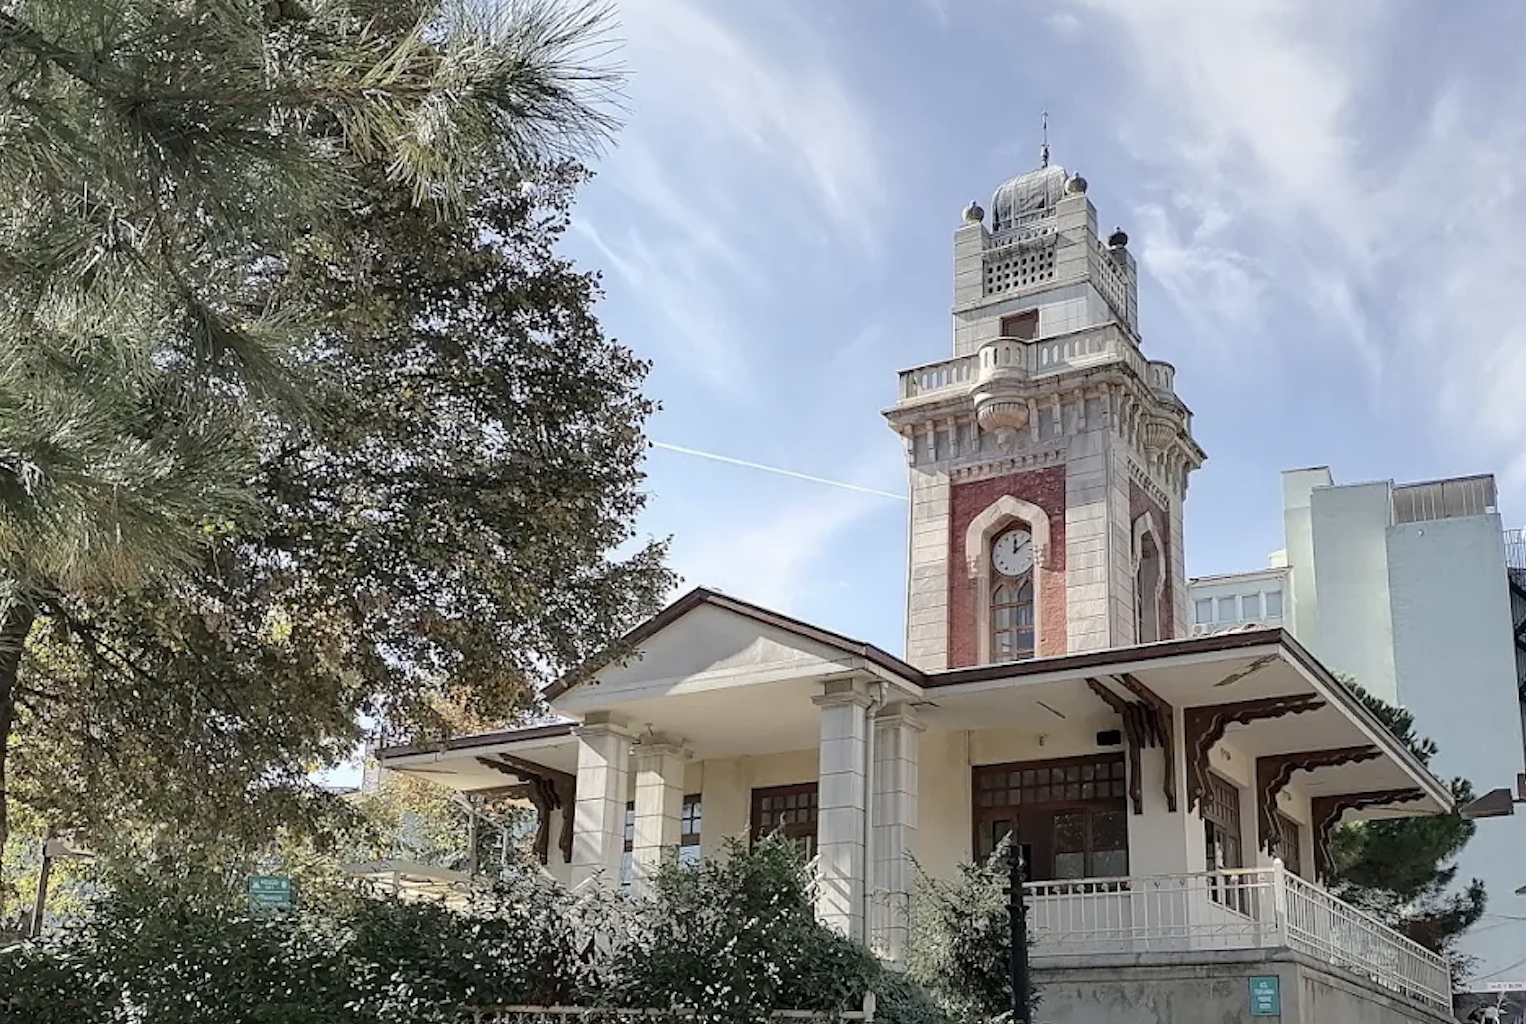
1403,869
164,165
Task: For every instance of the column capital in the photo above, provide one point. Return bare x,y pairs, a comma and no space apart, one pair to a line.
900,716
602,723
843,693
661,746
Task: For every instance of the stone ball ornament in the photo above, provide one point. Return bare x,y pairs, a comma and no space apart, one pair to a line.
973,214
1119,239
1075,185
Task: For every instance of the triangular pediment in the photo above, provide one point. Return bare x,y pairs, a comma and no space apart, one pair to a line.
707,641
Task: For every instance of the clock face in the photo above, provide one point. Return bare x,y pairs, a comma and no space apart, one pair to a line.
1012,554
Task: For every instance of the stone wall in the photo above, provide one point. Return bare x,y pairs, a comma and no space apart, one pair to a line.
1213,988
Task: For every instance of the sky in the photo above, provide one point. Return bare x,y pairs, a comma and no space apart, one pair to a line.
1325,201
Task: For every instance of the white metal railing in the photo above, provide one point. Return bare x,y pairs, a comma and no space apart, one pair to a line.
1515,549
1093,346
1260,908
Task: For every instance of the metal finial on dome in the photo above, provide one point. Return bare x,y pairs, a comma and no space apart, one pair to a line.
1119,239
1044,149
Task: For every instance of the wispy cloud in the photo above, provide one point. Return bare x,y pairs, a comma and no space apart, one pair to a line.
1266,119
1064,24
779,535
745,151
674,286
939,10
778,559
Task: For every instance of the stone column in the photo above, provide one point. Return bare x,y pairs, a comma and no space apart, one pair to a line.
897,739
598,823
843,793
659,806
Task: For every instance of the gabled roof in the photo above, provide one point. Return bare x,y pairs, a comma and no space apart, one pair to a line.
1247,639
702,596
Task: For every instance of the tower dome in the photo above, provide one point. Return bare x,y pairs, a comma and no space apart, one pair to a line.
1027,197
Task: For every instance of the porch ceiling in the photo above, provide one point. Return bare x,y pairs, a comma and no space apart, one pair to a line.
762,719
1037,705
1258,672
746,721
459,764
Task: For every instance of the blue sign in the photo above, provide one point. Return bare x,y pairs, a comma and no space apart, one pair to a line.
1265,997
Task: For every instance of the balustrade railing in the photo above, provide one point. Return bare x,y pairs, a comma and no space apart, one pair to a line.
1242,909
1515,549
1094,346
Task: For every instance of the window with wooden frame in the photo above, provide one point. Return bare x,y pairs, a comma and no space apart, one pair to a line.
1221,825
1289,844
690,818
690,821
788,811
1223,841
1012,619
1069,815
1023,326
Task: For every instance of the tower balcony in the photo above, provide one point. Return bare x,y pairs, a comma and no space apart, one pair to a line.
1003,361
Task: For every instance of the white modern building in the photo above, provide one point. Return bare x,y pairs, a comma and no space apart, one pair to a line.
1239,599
1409,589
1172,795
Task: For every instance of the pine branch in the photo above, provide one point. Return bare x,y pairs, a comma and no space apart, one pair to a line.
15,32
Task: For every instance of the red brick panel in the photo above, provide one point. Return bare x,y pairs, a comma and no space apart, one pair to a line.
1140,502
1044,488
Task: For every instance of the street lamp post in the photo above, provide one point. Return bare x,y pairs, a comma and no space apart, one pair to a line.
1022,985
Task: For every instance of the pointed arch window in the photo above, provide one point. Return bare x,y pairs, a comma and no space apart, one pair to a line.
1147,580
1012,619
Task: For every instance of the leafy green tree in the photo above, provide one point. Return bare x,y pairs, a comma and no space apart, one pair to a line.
248,498
439,536
961,939
1402,869
407,819
731,940
735,937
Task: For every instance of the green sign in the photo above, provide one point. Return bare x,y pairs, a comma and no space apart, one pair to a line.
1265,997
270,891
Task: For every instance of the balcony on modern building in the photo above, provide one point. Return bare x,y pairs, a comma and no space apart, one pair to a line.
1515,550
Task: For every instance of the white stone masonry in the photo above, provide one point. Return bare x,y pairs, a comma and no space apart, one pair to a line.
598,823
842,796
897,739
659,806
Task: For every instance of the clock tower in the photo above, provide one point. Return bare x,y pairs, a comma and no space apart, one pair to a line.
1049,457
